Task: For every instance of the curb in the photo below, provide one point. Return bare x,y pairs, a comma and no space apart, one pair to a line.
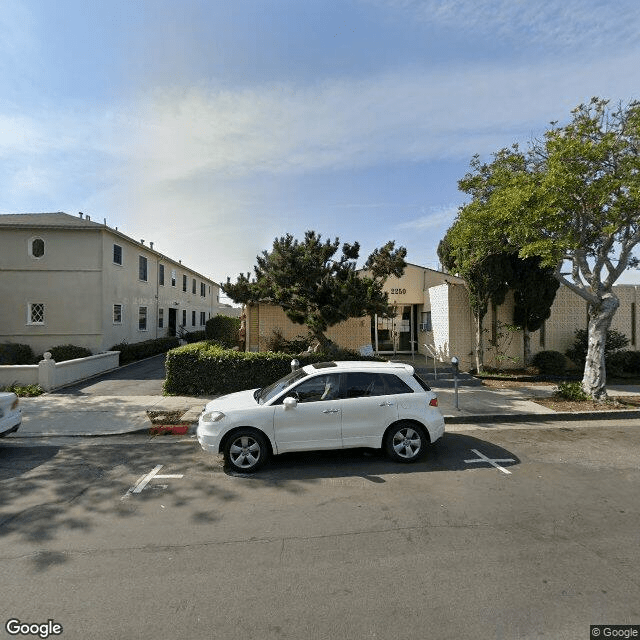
558,416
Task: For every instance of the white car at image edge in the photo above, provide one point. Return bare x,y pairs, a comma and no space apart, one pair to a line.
327,405
10,413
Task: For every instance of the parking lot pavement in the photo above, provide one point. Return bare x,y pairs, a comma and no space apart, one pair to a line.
327,545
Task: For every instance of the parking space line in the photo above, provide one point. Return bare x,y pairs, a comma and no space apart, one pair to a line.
493,462
144,480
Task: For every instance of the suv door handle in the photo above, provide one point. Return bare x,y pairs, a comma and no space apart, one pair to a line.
331,411
386,404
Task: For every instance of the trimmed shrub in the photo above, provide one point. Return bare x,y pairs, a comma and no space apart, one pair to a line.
223,329
145,349
570,391
24,391
14,353
623,363
551,363
63,352
194,336
577,352
206,368
278,343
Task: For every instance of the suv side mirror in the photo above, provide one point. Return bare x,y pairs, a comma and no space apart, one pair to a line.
290,402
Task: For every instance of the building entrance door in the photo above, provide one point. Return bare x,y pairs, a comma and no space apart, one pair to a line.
395,334
172,321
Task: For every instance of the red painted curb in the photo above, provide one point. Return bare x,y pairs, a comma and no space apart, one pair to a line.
173,429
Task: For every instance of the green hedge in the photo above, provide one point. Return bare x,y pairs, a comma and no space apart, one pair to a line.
223,329
206,368
14,353
146,349
63,352
194,336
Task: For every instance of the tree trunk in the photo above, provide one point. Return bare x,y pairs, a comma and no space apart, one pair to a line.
526,347
326,345
595,376
479,345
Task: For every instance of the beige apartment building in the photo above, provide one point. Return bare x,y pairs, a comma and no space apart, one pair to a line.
433,317
69,280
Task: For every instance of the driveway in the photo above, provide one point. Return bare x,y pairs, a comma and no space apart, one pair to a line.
144,378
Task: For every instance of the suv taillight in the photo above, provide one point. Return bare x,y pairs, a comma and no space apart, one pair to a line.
433,402
14,404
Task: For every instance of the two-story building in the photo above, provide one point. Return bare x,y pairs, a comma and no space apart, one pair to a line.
69,280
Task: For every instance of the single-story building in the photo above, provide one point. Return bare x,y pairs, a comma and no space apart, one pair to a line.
433,316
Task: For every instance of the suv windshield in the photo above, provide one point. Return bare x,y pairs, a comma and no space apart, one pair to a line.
264,395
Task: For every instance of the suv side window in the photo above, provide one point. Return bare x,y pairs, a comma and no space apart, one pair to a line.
395,385
364,385
316,389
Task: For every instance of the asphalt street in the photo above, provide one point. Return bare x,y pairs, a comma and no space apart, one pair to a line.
499,533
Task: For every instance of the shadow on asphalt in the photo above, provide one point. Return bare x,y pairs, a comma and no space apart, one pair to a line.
448,454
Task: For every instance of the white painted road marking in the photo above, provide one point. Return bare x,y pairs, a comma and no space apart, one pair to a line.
492,462
144,480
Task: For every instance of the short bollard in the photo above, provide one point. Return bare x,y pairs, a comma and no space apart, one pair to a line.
454,362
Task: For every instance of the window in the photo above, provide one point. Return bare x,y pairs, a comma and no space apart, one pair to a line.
161,274
142,268
203,289
193,318
117,314
36,247
184,283
317,389
364,385
203,318
173,277
184,317
160,318
193,287
142,319
117,254
425,324
395,385
36,313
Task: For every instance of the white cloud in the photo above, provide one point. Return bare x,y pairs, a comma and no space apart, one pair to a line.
409,115
433,220
557,25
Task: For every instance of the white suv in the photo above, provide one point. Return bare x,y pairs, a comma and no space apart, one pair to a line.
328,405
10,413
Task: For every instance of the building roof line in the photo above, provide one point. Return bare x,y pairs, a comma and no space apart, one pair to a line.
33,220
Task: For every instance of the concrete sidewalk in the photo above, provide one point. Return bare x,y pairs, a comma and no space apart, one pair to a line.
93,415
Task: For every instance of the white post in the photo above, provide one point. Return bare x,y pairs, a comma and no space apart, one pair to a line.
47,372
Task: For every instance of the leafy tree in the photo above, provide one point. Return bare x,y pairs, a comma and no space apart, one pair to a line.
316,289
573,200
486,275
534,290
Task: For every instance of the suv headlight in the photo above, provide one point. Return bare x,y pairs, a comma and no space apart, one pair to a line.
212,416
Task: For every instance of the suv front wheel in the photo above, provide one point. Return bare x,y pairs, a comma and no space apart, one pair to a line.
246,451
405,442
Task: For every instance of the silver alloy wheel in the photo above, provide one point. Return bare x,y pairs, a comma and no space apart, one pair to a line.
407,442
245,452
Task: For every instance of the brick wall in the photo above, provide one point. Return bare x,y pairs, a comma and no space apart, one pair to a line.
351,334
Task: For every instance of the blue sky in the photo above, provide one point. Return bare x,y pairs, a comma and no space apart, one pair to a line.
212,127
